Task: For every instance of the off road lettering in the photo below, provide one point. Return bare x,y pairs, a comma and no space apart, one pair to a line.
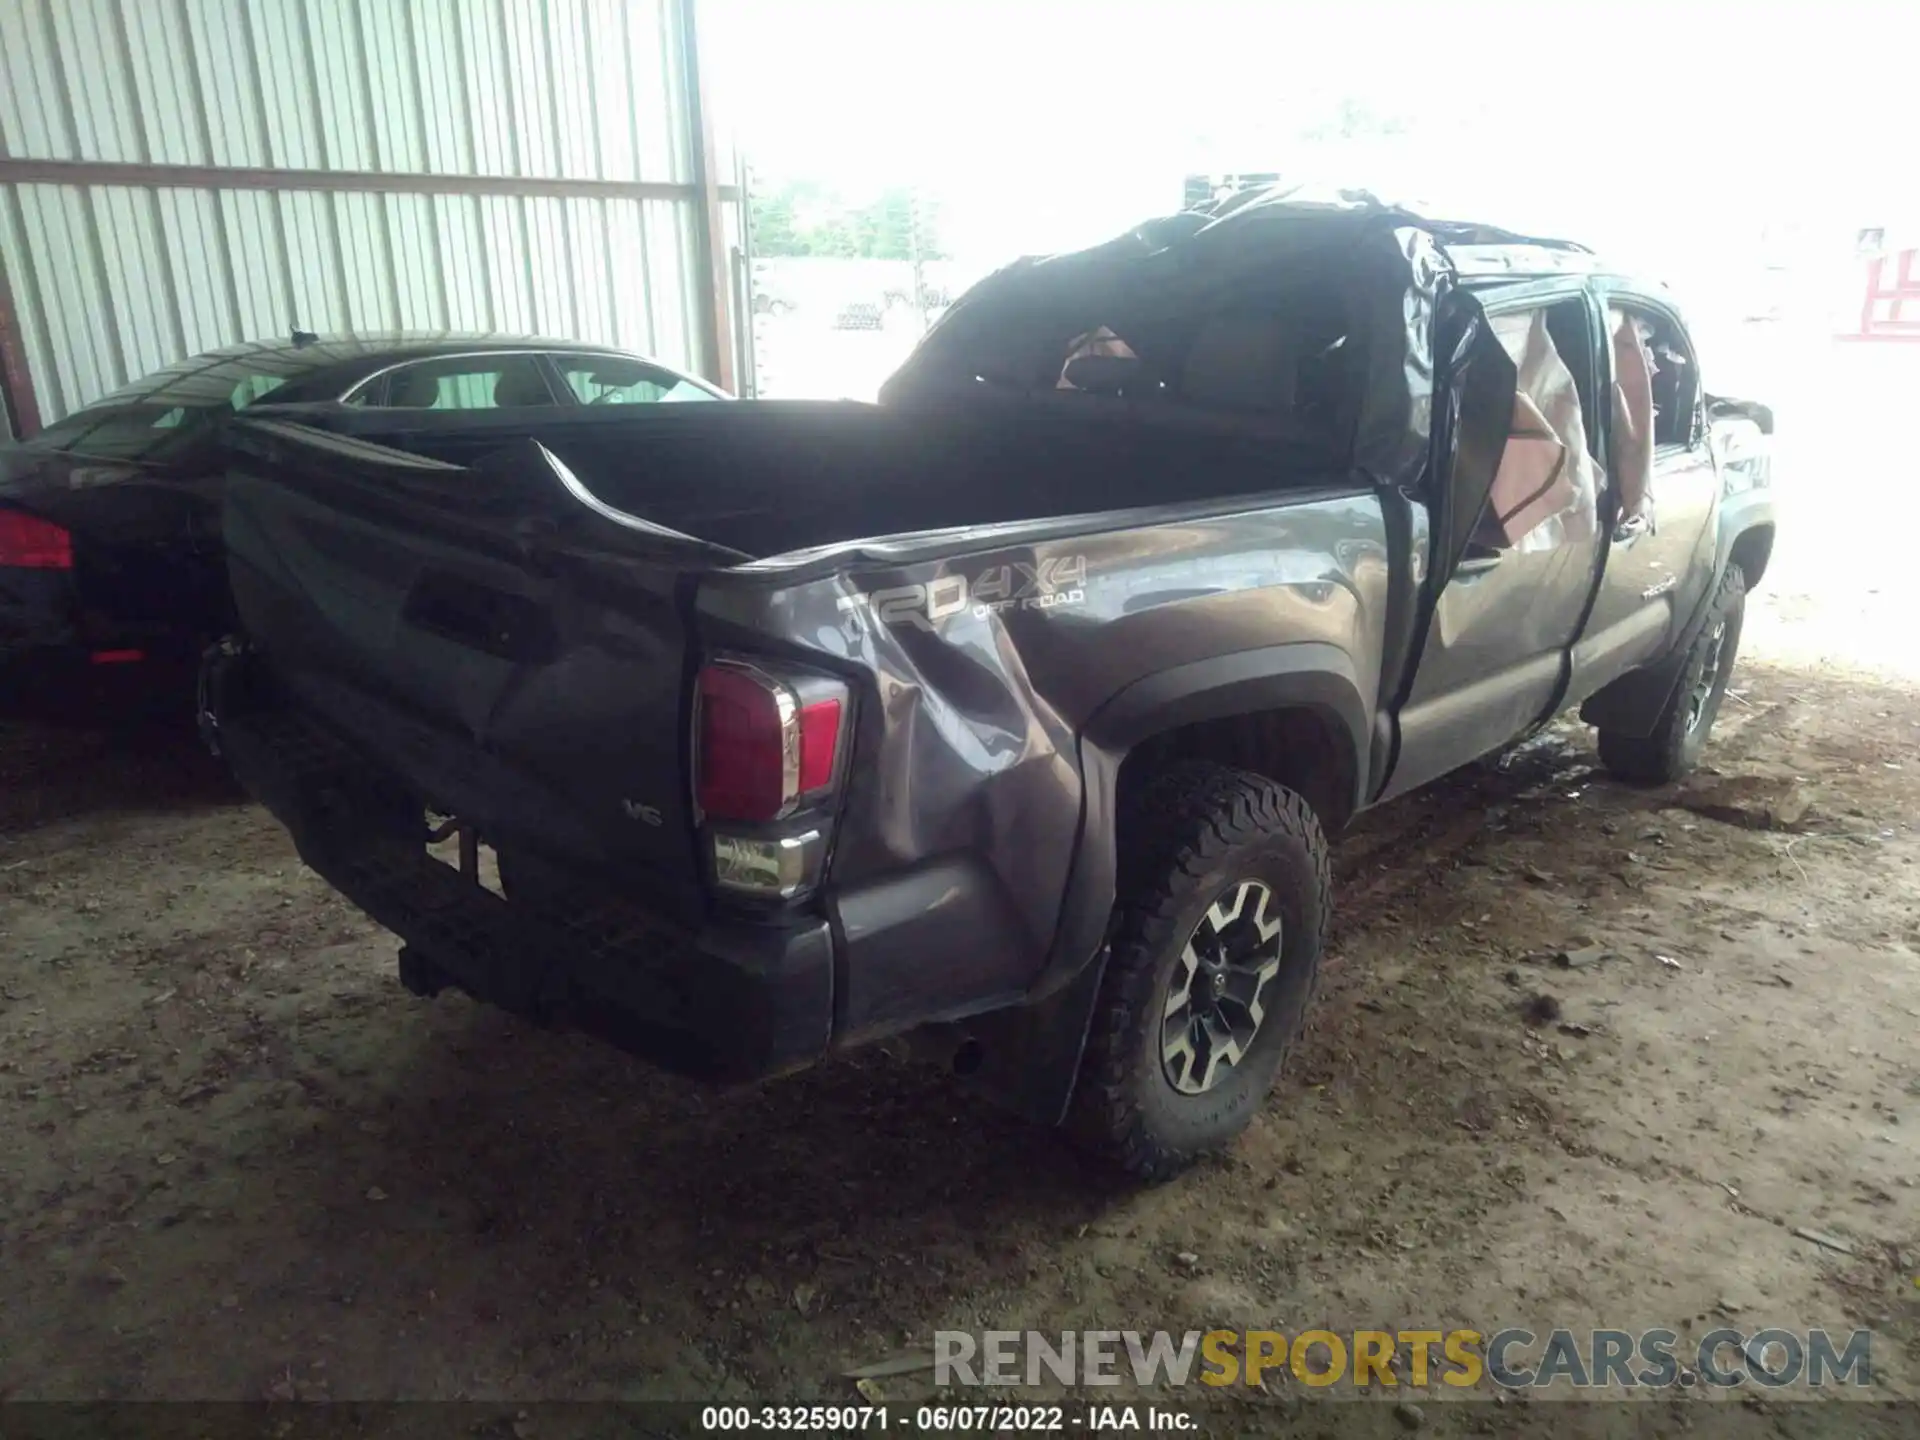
1053,583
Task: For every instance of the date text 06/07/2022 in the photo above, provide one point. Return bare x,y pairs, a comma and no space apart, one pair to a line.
935,1419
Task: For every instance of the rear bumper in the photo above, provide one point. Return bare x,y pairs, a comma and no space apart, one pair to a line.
728,1000
36,609
41,613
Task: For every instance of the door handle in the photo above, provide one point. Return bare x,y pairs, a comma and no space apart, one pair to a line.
1478,560
1632,528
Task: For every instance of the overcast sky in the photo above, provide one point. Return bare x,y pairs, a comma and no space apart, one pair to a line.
1048,122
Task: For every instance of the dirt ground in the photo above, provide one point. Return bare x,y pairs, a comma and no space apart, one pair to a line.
243,1163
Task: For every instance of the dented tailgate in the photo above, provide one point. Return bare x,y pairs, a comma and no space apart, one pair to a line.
457,624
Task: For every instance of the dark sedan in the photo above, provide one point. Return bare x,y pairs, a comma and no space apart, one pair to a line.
110,519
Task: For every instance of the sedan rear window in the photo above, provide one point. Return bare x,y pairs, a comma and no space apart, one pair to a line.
616,380
126,427
460,382
125,432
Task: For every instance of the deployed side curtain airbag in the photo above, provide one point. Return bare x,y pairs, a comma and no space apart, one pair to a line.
1545,492
1531,485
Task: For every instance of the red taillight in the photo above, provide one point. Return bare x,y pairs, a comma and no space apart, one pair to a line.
762,746
745,722
819,743
30,543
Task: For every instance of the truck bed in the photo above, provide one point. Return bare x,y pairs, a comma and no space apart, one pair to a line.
765,478
477,642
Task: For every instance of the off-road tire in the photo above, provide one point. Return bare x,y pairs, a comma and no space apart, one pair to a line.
1673,748
1186,837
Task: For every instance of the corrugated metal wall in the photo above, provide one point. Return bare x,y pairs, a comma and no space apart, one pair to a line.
112,280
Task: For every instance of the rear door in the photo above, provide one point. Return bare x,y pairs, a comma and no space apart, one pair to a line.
1663,492
514,658
1493,654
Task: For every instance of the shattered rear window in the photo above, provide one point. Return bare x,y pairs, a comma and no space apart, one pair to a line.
1286,360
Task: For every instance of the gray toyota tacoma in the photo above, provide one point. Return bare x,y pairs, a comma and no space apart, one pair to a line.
1008,716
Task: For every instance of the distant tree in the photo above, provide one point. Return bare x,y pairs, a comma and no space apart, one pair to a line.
1355,120
774,231
799,218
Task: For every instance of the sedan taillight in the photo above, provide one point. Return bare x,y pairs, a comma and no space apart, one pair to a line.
30,543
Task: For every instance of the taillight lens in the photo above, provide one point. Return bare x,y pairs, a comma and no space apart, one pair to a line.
29,543
749,747
763,744
819,744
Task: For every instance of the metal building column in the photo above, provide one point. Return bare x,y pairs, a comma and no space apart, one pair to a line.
16,381
716,276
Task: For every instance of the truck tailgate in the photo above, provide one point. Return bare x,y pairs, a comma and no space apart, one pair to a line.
517,665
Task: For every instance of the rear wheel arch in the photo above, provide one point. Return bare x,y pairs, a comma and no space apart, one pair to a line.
1281,708
1293,714
1303,746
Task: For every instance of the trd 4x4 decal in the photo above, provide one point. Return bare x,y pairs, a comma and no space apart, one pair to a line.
1050,585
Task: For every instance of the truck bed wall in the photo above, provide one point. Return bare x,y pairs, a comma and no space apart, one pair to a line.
772,479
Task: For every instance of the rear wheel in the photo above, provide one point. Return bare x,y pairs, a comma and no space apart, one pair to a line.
1223,914
1678,738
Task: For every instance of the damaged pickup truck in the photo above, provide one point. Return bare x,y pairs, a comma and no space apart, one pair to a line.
1009,715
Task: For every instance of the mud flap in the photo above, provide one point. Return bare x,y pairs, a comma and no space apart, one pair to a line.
1632,704
1026,1058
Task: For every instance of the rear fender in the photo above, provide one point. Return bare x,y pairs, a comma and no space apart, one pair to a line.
1310,675
1029,1057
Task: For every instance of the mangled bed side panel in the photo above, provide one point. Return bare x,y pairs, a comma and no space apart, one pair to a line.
977,677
